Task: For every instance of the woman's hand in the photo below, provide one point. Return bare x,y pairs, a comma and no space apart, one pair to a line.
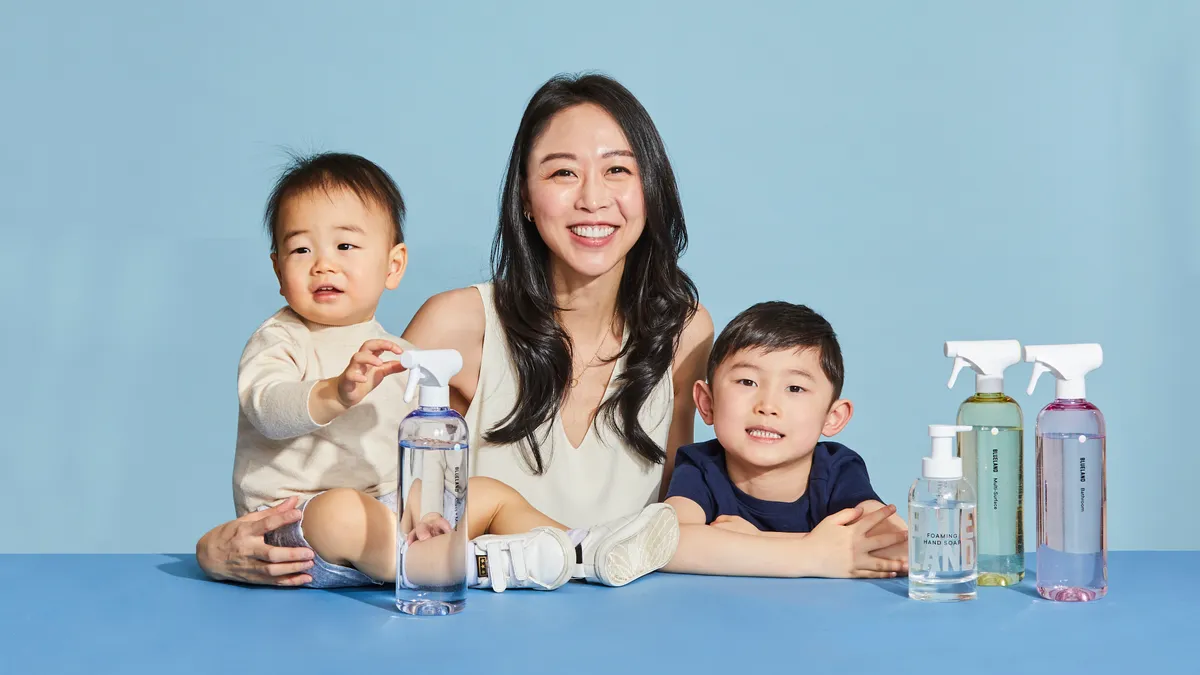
237,550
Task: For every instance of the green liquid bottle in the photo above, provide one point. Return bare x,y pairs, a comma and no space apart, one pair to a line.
993,457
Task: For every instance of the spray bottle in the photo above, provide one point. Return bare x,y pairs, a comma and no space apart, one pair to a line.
942,563
431,574
1072,553
992,450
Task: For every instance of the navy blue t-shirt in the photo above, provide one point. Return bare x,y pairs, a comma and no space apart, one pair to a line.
837,480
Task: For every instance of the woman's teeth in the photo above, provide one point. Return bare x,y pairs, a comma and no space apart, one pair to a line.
593,231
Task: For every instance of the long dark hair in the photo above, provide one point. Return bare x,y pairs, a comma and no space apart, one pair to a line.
656,299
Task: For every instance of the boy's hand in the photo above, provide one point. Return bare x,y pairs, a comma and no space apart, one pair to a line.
849,550
366,371
898,551
432,525
735,524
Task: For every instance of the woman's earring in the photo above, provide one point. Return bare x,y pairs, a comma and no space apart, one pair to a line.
528,216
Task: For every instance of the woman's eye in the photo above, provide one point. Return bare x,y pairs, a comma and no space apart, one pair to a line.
562,173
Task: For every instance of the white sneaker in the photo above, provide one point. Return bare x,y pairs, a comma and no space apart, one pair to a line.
629,548
539,559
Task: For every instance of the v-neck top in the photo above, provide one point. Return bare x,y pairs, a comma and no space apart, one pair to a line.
600,480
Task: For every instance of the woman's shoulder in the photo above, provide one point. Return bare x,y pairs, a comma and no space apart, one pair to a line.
452,319
695,342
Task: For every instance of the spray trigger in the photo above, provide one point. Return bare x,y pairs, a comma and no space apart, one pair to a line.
1039,369
959,364
414,378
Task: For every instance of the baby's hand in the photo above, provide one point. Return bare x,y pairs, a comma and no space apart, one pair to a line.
735,524
366,371
432,525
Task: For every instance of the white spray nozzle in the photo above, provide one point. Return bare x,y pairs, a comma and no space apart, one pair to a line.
1069,363
988,358
432,369
941,462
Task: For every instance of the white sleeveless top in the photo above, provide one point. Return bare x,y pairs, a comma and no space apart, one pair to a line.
596,482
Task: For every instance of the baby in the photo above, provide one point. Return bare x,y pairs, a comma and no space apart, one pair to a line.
321,392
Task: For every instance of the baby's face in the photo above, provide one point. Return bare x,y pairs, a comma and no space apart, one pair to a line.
335,256
769,408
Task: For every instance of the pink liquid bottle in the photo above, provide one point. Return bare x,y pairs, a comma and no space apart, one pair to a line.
1072,541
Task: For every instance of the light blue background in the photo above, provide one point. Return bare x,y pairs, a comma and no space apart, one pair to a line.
916,171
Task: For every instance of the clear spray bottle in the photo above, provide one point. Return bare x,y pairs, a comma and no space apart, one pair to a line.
993,454
431,523
1072,553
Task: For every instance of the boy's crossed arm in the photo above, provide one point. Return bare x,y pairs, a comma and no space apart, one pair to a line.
847,544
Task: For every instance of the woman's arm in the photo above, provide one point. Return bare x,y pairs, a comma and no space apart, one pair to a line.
453,320
691,361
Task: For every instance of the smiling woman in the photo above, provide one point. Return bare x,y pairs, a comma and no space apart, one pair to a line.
579,357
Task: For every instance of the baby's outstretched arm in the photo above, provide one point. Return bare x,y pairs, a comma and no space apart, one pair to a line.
336,395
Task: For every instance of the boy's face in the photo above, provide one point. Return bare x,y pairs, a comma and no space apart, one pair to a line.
335,256
771,408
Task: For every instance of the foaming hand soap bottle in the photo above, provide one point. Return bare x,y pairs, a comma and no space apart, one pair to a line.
993,455
1072,553
941,519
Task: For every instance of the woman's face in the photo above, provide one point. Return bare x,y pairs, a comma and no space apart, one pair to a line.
584,190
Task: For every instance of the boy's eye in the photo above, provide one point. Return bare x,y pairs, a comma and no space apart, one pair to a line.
795,389
747,383
346,247
301,250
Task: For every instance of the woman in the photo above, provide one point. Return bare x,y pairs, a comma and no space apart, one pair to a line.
580,356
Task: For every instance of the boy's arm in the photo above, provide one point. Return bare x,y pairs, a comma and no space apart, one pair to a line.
711,549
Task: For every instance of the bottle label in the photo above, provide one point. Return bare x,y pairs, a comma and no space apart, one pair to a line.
944,539
998,487
1082,494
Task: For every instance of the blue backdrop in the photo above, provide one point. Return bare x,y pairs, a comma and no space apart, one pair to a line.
916,171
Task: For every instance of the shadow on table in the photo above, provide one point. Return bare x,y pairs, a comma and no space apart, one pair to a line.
897,586
184,567
382,597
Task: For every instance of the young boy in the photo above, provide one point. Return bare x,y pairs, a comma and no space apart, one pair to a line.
767,497
322,395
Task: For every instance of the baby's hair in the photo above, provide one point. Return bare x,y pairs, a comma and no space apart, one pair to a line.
333,170
777,326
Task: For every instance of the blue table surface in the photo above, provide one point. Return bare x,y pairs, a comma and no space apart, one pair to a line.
158,613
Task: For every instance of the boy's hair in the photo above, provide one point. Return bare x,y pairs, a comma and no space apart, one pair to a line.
332,170
777,326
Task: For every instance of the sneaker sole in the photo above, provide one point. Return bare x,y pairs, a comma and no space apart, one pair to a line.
642,546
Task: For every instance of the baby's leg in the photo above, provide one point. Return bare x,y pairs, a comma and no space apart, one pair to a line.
495,508
347,527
